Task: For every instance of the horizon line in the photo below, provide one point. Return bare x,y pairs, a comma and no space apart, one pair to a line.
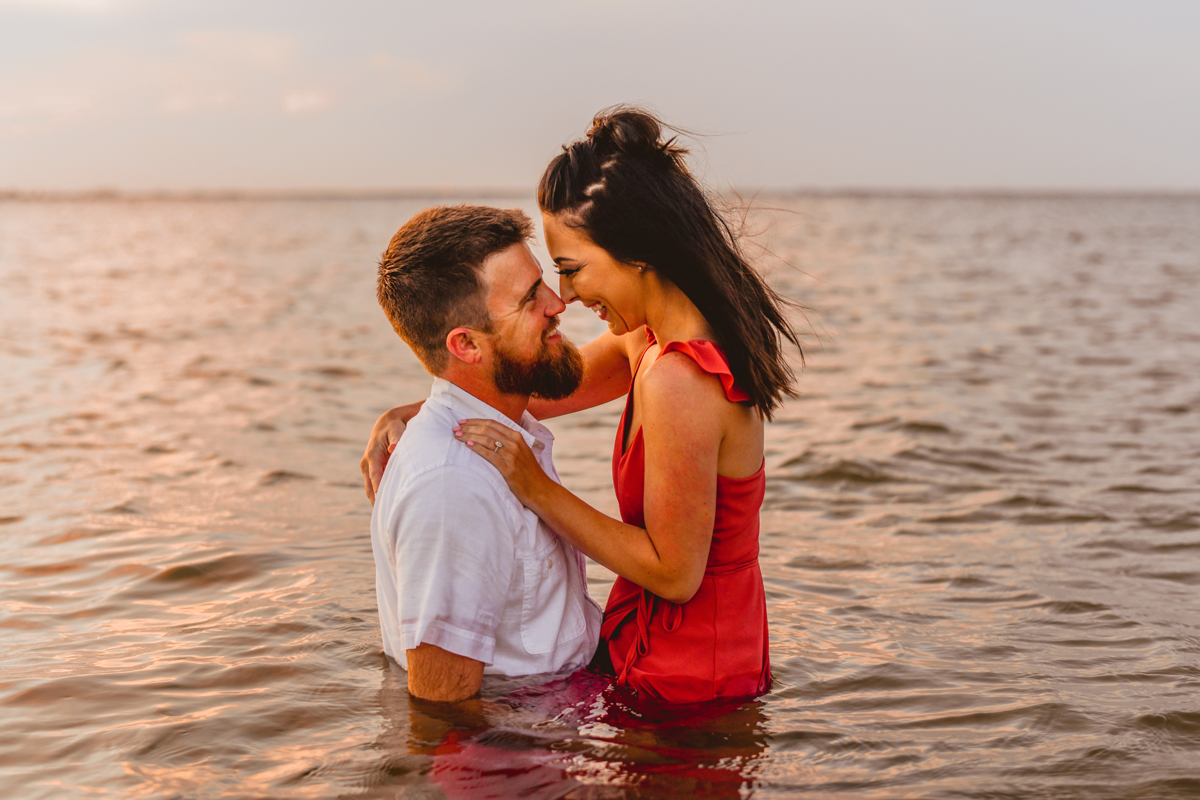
493,192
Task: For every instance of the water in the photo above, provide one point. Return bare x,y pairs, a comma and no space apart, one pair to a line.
981,537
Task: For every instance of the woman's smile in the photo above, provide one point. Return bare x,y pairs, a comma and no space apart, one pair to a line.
616,321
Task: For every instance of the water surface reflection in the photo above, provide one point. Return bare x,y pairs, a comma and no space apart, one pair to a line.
578,736
981,534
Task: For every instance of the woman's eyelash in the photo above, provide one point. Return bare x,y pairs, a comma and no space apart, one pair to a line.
568,272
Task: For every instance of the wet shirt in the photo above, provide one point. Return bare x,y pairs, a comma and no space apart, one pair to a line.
461,564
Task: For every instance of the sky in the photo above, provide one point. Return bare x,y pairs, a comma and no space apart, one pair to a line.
459,94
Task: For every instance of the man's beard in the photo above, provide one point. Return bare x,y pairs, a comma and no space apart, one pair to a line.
548,375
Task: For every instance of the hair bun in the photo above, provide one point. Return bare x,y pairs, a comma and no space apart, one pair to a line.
633,132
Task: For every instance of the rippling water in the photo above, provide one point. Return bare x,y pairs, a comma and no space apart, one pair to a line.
981,537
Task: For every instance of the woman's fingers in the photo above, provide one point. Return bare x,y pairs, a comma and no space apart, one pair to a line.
486,433
498,444
484,445
506,450
384,436
380,462
373,462
367,480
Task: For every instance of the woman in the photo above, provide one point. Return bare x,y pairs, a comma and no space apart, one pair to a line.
695,341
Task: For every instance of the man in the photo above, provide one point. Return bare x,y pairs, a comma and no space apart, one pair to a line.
468,580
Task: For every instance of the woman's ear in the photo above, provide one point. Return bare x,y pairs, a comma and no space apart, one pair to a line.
465,345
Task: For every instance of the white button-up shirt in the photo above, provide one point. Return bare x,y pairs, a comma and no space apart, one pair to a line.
461,564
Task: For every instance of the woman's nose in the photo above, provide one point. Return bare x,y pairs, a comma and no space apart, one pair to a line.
566,290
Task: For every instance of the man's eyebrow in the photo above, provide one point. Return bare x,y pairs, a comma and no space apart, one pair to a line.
532,292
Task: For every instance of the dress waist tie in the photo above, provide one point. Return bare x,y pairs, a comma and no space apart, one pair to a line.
672,616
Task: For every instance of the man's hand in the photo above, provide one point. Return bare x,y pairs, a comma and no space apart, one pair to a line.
384,438
437,674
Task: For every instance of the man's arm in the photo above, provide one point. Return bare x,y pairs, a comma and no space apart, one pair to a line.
448,541
437,674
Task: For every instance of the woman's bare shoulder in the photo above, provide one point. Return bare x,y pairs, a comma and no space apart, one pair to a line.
689,406
676,378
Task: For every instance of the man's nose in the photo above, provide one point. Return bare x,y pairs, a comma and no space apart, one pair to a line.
555,305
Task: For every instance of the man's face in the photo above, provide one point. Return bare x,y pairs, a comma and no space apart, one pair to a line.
530,356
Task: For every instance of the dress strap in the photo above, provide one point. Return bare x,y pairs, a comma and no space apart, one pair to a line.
627,414
650,340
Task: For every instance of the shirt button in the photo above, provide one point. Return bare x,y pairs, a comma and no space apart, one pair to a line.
549,563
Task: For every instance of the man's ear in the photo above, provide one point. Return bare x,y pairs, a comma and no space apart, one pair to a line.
465,344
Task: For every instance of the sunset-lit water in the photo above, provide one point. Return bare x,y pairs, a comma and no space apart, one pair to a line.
981,536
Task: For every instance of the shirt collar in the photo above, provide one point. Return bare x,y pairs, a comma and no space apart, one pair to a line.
535,434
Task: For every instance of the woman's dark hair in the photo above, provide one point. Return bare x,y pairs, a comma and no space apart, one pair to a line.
631,192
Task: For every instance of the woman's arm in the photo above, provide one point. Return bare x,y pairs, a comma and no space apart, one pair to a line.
384,436
607,373
669,555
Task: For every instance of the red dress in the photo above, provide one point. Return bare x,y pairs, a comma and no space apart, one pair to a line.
714,645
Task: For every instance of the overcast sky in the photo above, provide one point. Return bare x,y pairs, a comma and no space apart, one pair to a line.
278,94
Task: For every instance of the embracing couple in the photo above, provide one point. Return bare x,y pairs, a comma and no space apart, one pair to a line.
479,549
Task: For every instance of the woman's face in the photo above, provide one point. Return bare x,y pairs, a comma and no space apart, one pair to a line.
587,273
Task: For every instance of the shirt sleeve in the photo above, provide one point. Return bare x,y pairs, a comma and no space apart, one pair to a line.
454,550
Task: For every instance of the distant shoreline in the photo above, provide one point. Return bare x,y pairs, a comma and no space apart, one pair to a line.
426,193
240,195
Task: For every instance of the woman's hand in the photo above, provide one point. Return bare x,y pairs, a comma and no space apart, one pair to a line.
384,437
505,449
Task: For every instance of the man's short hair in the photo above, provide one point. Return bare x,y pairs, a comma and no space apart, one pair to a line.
429,275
